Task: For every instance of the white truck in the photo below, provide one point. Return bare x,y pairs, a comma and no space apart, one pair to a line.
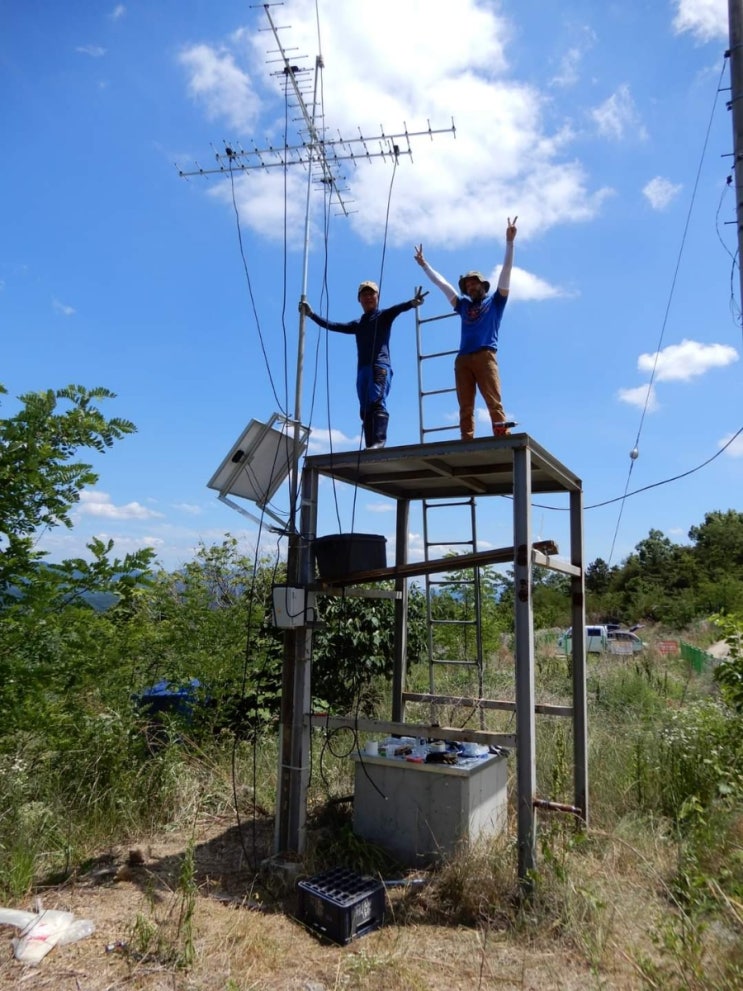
604,639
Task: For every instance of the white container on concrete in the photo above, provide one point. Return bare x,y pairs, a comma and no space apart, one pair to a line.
421,812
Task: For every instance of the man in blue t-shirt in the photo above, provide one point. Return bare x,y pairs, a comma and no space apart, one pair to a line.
481,311
374,370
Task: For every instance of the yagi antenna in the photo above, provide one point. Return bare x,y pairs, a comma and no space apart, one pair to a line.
320,155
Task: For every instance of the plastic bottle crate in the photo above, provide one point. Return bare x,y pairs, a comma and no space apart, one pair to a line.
341,904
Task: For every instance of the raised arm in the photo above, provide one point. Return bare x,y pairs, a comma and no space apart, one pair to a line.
504,279
433,275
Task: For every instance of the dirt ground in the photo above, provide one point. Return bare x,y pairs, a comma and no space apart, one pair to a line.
234,936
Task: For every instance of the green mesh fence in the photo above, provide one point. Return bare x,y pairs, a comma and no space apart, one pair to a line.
698,659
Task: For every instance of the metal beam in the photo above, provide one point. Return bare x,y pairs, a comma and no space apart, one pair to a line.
526,769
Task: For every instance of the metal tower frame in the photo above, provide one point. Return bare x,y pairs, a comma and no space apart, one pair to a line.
514,466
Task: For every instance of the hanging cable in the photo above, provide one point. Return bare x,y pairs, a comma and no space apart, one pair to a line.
634,453
734,306
653,485
381,281
282,409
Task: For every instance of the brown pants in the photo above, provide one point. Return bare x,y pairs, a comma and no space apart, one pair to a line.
479,369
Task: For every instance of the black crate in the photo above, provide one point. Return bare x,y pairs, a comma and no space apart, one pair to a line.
341,554
341,905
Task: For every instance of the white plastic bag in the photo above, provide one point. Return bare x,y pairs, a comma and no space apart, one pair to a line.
43,930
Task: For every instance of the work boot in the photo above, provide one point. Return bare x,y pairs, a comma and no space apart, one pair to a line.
368,422
380,419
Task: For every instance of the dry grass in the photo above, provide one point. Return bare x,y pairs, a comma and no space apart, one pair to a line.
195,908
463,929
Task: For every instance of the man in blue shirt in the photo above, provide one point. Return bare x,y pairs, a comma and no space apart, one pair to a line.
374,370
481,311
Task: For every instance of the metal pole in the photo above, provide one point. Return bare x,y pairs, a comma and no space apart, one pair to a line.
735,20
526,770
294,740
401,612
580,701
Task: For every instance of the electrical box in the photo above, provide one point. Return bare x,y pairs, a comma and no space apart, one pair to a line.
289,607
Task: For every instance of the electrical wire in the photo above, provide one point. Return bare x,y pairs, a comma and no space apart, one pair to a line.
381,285
653,485
247,659
635,449
283,409
734,306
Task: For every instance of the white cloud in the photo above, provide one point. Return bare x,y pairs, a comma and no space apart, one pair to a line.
659,192
617,116
128,545
707,20
96,503
482,416
62,308
379,507
264,199
95,51
321,439
188,508
223,89
568,72
504,154
735,450
685,361
526,286
639,396
118,12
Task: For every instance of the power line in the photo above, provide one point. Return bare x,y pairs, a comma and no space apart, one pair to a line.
636,448
653,485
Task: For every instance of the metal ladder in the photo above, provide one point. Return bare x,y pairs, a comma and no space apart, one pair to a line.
435,381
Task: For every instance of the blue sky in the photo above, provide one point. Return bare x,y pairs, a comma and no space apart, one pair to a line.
599,125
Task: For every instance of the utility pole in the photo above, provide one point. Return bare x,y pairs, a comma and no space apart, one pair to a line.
321,157
735,105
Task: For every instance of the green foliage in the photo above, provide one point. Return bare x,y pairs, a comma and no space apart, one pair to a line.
729,672
40,481
551,598
210,620
85,778
719,543
699,758
453,613
670,583
599,576
354,647
54,647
